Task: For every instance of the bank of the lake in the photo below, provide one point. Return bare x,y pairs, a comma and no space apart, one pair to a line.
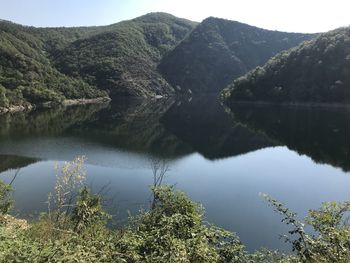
71,102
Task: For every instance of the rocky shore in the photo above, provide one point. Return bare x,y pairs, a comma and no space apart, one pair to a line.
29,107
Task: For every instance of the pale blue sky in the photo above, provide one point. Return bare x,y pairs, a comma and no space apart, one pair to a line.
285,15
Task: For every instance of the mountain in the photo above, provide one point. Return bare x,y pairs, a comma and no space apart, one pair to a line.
38,65
123,59
316,71
153,55
217,51
27,75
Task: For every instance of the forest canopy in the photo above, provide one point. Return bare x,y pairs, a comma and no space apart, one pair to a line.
316,71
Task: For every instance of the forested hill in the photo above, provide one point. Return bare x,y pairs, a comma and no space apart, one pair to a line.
38,65
218,51
316,71
155,54
27,74
123,59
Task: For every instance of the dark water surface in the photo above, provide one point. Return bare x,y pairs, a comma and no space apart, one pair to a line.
220,158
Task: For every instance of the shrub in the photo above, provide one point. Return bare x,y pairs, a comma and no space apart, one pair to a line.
174,231
5,198
4,102
88,211
40,94
331,241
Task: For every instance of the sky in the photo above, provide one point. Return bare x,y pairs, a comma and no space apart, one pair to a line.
285,15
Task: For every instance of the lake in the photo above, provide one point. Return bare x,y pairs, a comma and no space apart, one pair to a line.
221,158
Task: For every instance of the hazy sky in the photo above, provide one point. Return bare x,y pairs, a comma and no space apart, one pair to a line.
287,15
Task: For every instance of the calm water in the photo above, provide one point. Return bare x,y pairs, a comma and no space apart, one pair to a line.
219,158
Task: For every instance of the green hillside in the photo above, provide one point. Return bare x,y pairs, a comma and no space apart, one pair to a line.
218,51
316,71
27,74
123,59
153,55
39,65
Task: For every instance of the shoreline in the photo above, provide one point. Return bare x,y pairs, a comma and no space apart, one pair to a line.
16,108
65,103
86,101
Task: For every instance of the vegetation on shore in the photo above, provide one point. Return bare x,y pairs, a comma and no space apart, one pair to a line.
316,71
173,230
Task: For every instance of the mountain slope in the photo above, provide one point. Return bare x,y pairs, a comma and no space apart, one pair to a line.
28,76
39,65
155,54
123,59
218,50
316,71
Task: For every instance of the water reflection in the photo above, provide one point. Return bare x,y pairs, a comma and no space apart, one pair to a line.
166,129
50,122
11,162
320,133
203,124
172,129
134,126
